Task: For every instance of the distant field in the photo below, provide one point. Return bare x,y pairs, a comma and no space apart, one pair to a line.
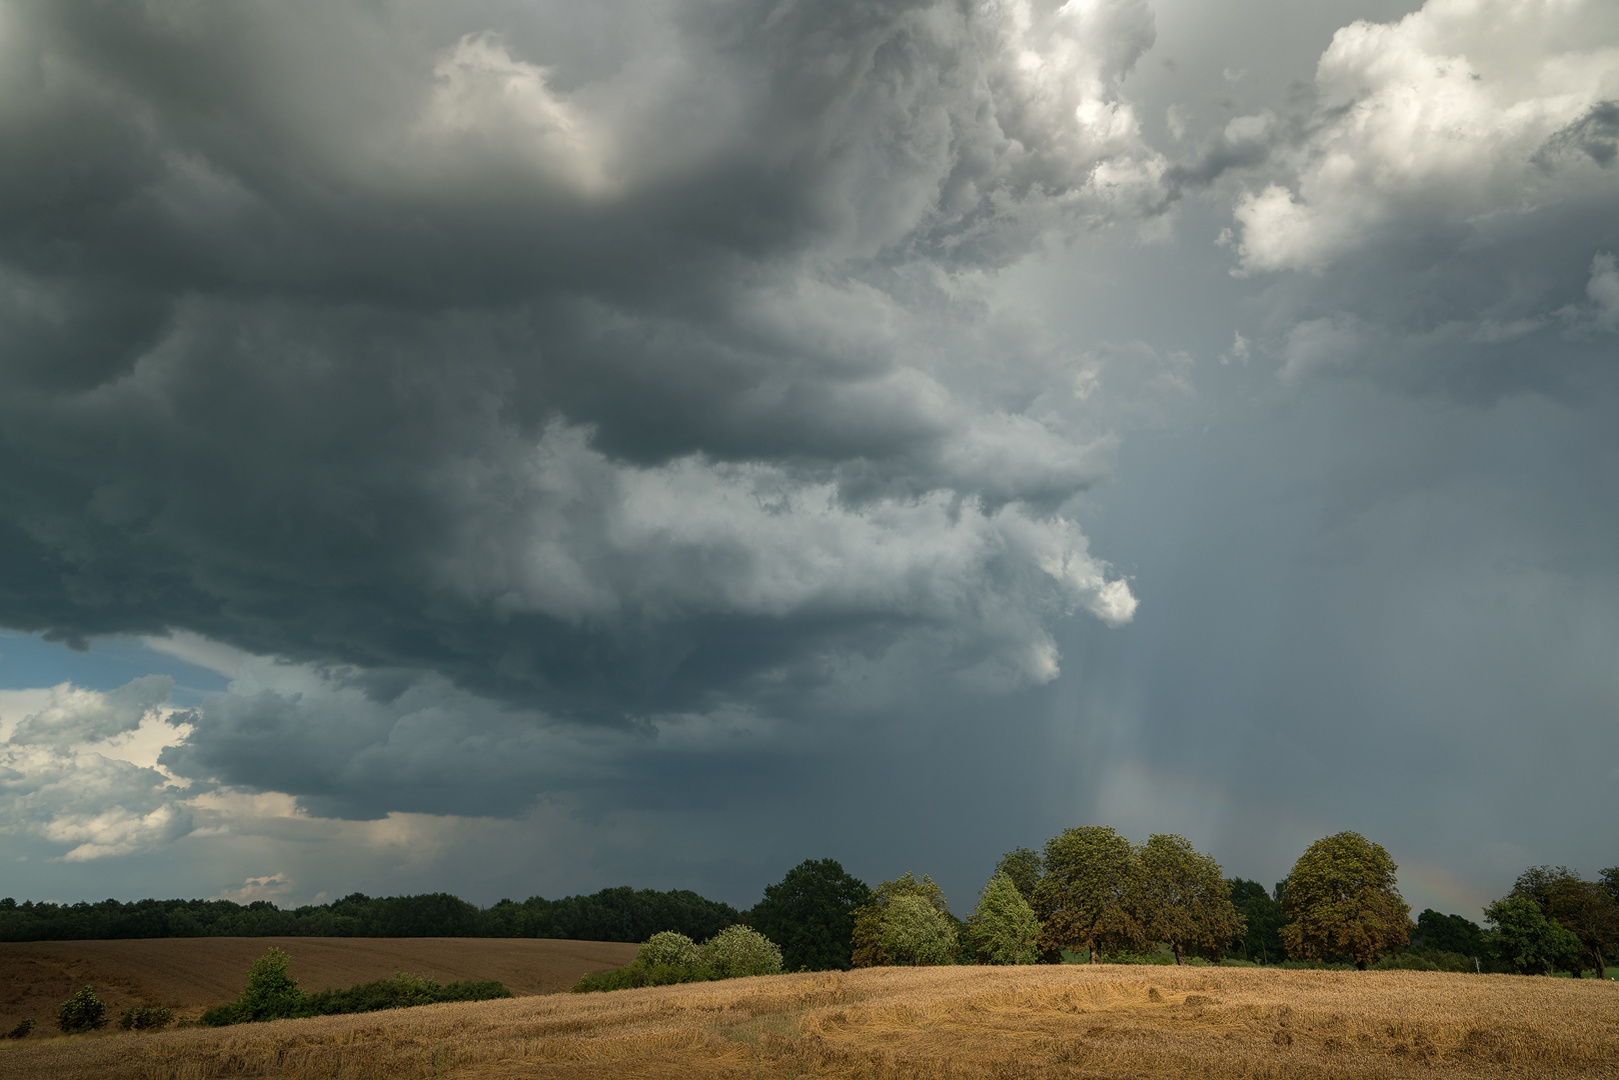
190,974
922,1024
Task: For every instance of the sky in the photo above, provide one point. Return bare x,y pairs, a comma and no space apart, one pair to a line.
520,448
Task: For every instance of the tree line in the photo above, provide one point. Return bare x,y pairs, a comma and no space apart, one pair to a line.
1092,895
616,914
1088,894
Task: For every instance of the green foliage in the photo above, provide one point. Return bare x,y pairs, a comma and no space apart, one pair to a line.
1004,929
1584,908
22,1029
146,1017
869,919
1528,943
82,1012
917,933
618,914
1182,897
1263,918
738,951
810,914
272,994
1341,898
1023,867
1448,933
668,948
402,991
1084,899
667,958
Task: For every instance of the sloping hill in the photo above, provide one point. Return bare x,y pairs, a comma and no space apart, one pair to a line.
190,974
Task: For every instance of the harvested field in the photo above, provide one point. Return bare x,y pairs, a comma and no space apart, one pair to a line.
899,1024
191,974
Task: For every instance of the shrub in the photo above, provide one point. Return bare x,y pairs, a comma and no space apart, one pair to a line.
82,1012
21,1030
402,991
271,993
146,1017
669,949
1406,961
1232,961
740,950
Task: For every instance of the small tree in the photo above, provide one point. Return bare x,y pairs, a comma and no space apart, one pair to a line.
917,933
1084,898
1183,898
1584,908
869,919
1004,929
1341,898
1526,941
740,950
81,1012
271,993
810,914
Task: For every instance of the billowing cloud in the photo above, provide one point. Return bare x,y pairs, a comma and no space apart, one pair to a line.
606,381
1444,197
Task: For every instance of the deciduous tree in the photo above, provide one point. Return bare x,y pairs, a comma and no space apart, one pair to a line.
1526,941
1023,867
1084,898
1182,898
1584,908
870,949
915,932
1262,918
1004,928
810,914
1342,898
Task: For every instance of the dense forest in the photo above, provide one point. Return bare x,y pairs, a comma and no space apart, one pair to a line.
619,914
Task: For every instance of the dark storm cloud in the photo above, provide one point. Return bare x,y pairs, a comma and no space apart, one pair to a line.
605,378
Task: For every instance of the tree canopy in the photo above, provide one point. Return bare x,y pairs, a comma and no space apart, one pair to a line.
810,915
1262,917
1023,867
1585,909
1526,941
1341,898
1182,897
870,920
1004,929
1084,899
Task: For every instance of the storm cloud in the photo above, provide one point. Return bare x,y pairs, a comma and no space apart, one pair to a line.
667,438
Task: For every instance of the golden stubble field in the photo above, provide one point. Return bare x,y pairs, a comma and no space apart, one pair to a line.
969,1022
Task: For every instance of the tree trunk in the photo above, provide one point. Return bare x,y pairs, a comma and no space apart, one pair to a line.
1179,959
1360,965
1092,947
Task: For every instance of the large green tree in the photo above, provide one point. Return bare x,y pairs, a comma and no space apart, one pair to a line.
915,932
1526,941
1085,896
810,915
1450,933
869,938
1342,898
1003,928
1584,908
1182,897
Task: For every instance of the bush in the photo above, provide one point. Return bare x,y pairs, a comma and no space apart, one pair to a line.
916,932
669,949
271,993
1232,961
21,1030
402,991
740,950
146,1017
1406,961
82,1012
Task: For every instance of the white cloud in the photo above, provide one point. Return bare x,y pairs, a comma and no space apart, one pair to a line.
1441,117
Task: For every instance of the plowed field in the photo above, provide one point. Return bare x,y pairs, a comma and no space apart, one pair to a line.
190,974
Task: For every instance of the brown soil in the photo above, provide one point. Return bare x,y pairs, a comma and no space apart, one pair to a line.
191,974
1072,1022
